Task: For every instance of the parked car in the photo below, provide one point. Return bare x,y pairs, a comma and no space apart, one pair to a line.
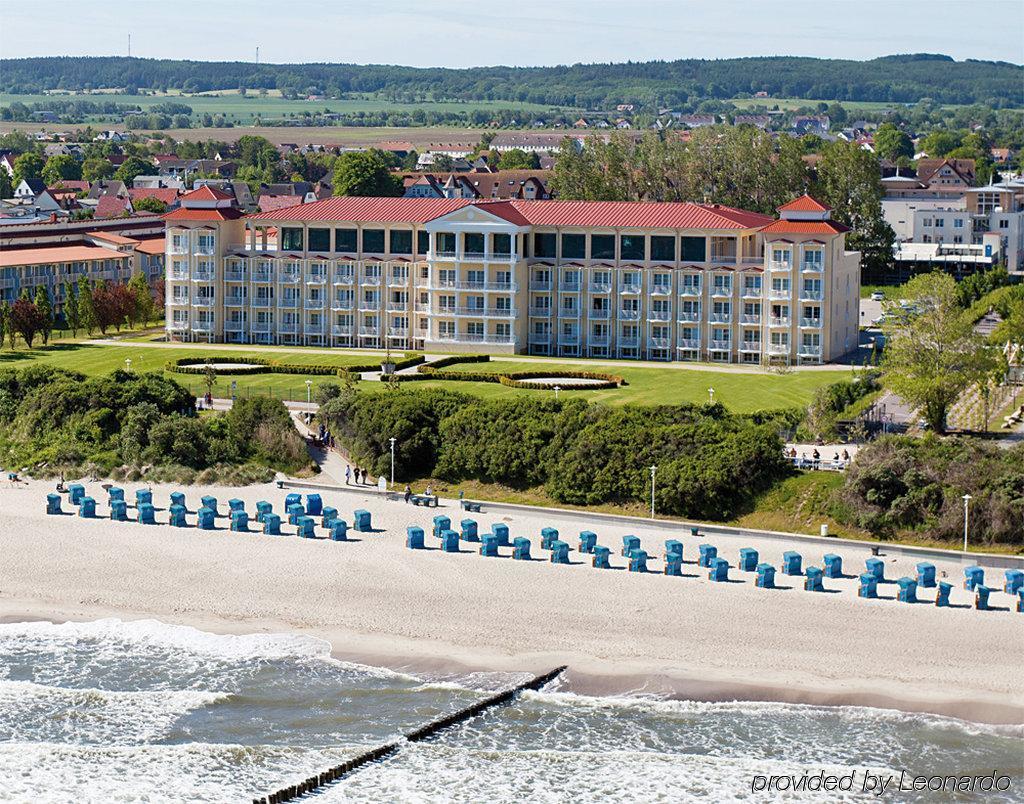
878,295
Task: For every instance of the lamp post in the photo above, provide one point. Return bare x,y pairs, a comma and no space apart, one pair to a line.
309,386
392,440
711,396
557,389
654,468
967,514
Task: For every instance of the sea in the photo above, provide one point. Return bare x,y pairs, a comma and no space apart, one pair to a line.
144,711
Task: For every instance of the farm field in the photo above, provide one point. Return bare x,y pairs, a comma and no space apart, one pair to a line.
742,393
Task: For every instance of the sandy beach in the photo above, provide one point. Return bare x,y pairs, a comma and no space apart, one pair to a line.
380,603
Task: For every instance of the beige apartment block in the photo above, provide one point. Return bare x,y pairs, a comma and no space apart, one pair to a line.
655,281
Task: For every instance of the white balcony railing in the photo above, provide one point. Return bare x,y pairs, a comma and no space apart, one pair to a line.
810,323
779,293
659,315
810,350
750,346
599,314
342,330
719,345
720,318
568,312
811,295
629,315
778,348
235,301
688,343
751,319
234,276
599,287
721,292
688,316
689,290
779,321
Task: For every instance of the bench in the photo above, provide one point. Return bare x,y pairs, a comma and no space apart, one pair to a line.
473,507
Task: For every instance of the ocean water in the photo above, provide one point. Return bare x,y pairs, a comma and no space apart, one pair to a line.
143,711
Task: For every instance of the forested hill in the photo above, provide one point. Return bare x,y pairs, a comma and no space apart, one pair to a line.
903,79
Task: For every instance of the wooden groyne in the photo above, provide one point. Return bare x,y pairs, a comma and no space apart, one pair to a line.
331,775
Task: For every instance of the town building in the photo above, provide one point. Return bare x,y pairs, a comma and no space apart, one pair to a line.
498,184
658,281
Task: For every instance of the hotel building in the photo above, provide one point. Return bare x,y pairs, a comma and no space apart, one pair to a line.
655,281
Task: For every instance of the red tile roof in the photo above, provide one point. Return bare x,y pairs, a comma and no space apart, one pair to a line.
207,193
70,184
167,195
152,245
112,237
269,202
56,254
369,209
804,203
805,227
219,214
110,206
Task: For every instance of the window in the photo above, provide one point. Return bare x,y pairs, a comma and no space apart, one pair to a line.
1004,224
345,240
958,223
663,247
401,241
633,247
422,242
474,243
814,258
501,244
544,244
940,223
574,246
694,249
319,239
927,222
445,242
291,239
373,241
602,247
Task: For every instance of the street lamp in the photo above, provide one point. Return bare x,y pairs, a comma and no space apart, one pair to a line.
967,513
557,389
711,396
309,385
392,440
654,469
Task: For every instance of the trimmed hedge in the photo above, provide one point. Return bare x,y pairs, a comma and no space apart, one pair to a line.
512,379
256,365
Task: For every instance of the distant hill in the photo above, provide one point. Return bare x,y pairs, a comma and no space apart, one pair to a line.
898,79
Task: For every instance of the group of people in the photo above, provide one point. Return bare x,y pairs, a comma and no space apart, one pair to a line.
362,477
815,458
325,438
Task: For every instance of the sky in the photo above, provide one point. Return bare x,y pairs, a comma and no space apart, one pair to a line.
465,33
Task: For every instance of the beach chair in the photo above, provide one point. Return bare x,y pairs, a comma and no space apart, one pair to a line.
601,554
235,504
87,508
791,562
832,565
271,524
1014,581
211,503
292,499
119,511
695,532
361,521
748,559
765,576
441,524
708,553
981,593
178,498
262,509
305,527
414,537
53,504
548,536
115,493
925,575
489,545
629,544
76,491
314,505
294,511
718,570
876,568
337,531
449,541
469,530
240,521
908,590
638,561
813,579
521,548
673,564
500,529
205,517
143,497
147,514
588,540
868,585
974,576
559,552
942,595
328,515
674,550
176,514
1020,600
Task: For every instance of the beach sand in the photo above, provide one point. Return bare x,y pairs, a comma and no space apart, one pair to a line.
380,603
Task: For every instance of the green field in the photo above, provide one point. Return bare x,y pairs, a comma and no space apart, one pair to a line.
649,386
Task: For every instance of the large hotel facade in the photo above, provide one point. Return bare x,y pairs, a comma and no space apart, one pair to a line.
654,281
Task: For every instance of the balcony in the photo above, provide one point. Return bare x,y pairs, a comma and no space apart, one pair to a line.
203,276
599,287
778,348
369,332
810,323
688,316
540,337
234,326
599,340
398,306
569,287
235,301
342,304
752,292
234,276
263,326
398,281
809,350
689,290
343,279
780,293
316,279
750,346
288,328
629,315
722,259
600,314
779,321
289,277
342,330
779,265
179,301
202,301
262,276
540,284
178,326
719,345
688,343
369,281
629,288
659,315
202,326
661,290
720,318
314,304
568,312
659,343
398,332
204,251
811,295
369,305
180,276
478,338
811,267
262,301
499,287
288,303
721,292
421,307
568,338
751,319
629,341
315,328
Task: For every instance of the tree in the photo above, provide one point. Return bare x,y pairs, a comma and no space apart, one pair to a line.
26,320
6,187
365,173
517,159
143,297
892,143
60,167
149,204
97,169
131,167
72,320
5,322
86,308
27,166
932,353
940,142
45,308
849,181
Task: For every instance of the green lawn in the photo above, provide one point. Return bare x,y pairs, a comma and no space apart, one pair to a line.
650,386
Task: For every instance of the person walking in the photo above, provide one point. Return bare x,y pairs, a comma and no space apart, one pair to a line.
348,475
408,493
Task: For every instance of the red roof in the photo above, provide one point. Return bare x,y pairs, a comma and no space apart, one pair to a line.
628,214
70,184
151,245
168,195
269,202
218,214
805,227
804,203
207,193
110,206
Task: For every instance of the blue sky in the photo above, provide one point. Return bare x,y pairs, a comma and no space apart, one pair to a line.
461,33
